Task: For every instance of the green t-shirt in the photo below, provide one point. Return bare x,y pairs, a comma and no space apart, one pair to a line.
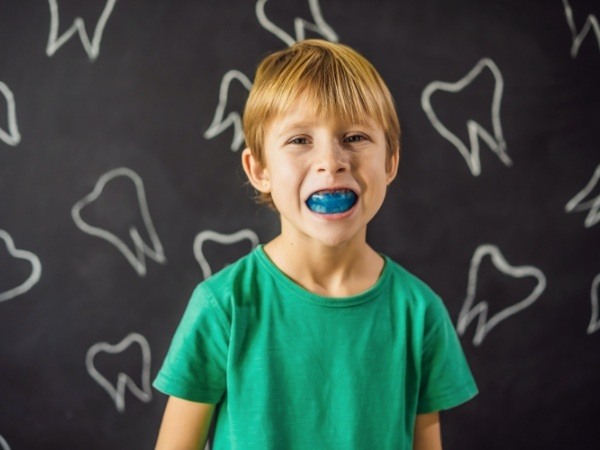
294,370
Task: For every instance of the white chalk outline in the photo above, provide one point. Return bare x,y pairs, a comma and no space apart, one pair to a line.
300,25
221,238
4,444
219,124
576,204
137,261
13,137
469,312
92,47
123,380
595,317
36,268
496,143
577,37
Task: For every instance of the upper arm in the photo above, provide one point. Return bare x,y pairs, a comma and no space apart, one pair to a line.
427,432
185,425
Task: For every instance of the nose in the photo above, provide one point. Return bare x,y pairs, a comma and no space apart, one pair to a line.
332,158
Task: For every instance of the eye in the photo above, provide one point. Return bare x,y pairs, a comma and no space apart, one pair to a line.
300,140
354,138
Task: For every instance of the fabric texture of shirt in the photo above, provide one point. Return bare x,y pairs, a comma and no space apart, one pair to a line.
290,369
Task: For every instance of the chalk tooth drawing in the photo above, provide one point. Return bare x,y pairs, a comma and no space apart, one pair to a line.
3,444
470,310
209,235
117,391
577,203
233,119
36,268
137,260
92,48
496,141
595,319
318,25
591,23
12,136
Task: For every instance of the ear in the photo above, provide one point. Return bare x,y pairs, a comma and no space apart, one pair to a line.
256,173
391,165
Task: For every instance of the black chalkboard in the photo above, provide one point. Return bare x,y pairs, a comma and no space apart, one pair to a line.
121,189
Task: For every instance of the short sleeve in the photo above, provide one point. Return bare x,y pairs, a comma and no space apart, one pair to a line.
446,380
195,366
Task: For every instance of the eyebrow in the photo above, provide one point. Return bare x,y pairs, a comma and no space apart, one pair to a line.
310,124
296,126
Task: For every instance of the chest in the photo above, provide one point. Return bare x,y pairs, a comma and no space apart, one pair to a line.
314,341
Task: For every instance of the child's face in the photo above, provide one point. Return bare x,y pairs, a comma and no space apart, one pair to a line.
303,155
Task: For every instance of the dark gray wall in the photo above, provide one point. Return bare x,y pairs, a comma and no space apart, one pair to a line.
506,233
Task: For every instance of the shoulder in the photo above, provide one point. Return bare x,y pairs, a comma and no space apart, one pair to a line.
405,281
234,282
232,272
413,292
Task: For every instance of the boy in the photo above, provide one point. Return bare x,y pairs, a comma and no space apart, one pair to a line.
314,340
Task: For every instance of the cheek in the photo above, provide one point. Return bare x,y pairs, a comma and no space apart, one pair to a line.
375,177
283,181
287,170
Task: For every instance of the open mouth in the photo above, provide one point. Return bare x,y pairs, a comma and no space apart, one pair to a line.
334,201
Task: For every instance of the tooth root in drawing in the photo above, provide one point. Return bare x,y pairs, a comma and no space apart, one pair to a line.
595,316
471,310
153,251
11,136
578,36
318,25
92,48
3,444
226,239
494,140
592,204
221,122
117,390
33,260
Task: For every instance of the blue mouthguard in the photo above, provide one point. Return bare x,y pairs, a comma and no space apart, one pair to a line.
331,202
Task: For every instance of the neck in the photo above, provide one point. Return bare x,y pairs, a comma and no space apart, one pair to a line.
334,271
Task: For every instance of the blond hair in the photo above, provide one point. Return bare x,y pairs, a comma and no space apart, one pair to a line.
338,82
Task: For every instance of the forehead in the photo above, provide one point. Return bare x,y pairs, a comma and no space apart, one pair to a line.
305,113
